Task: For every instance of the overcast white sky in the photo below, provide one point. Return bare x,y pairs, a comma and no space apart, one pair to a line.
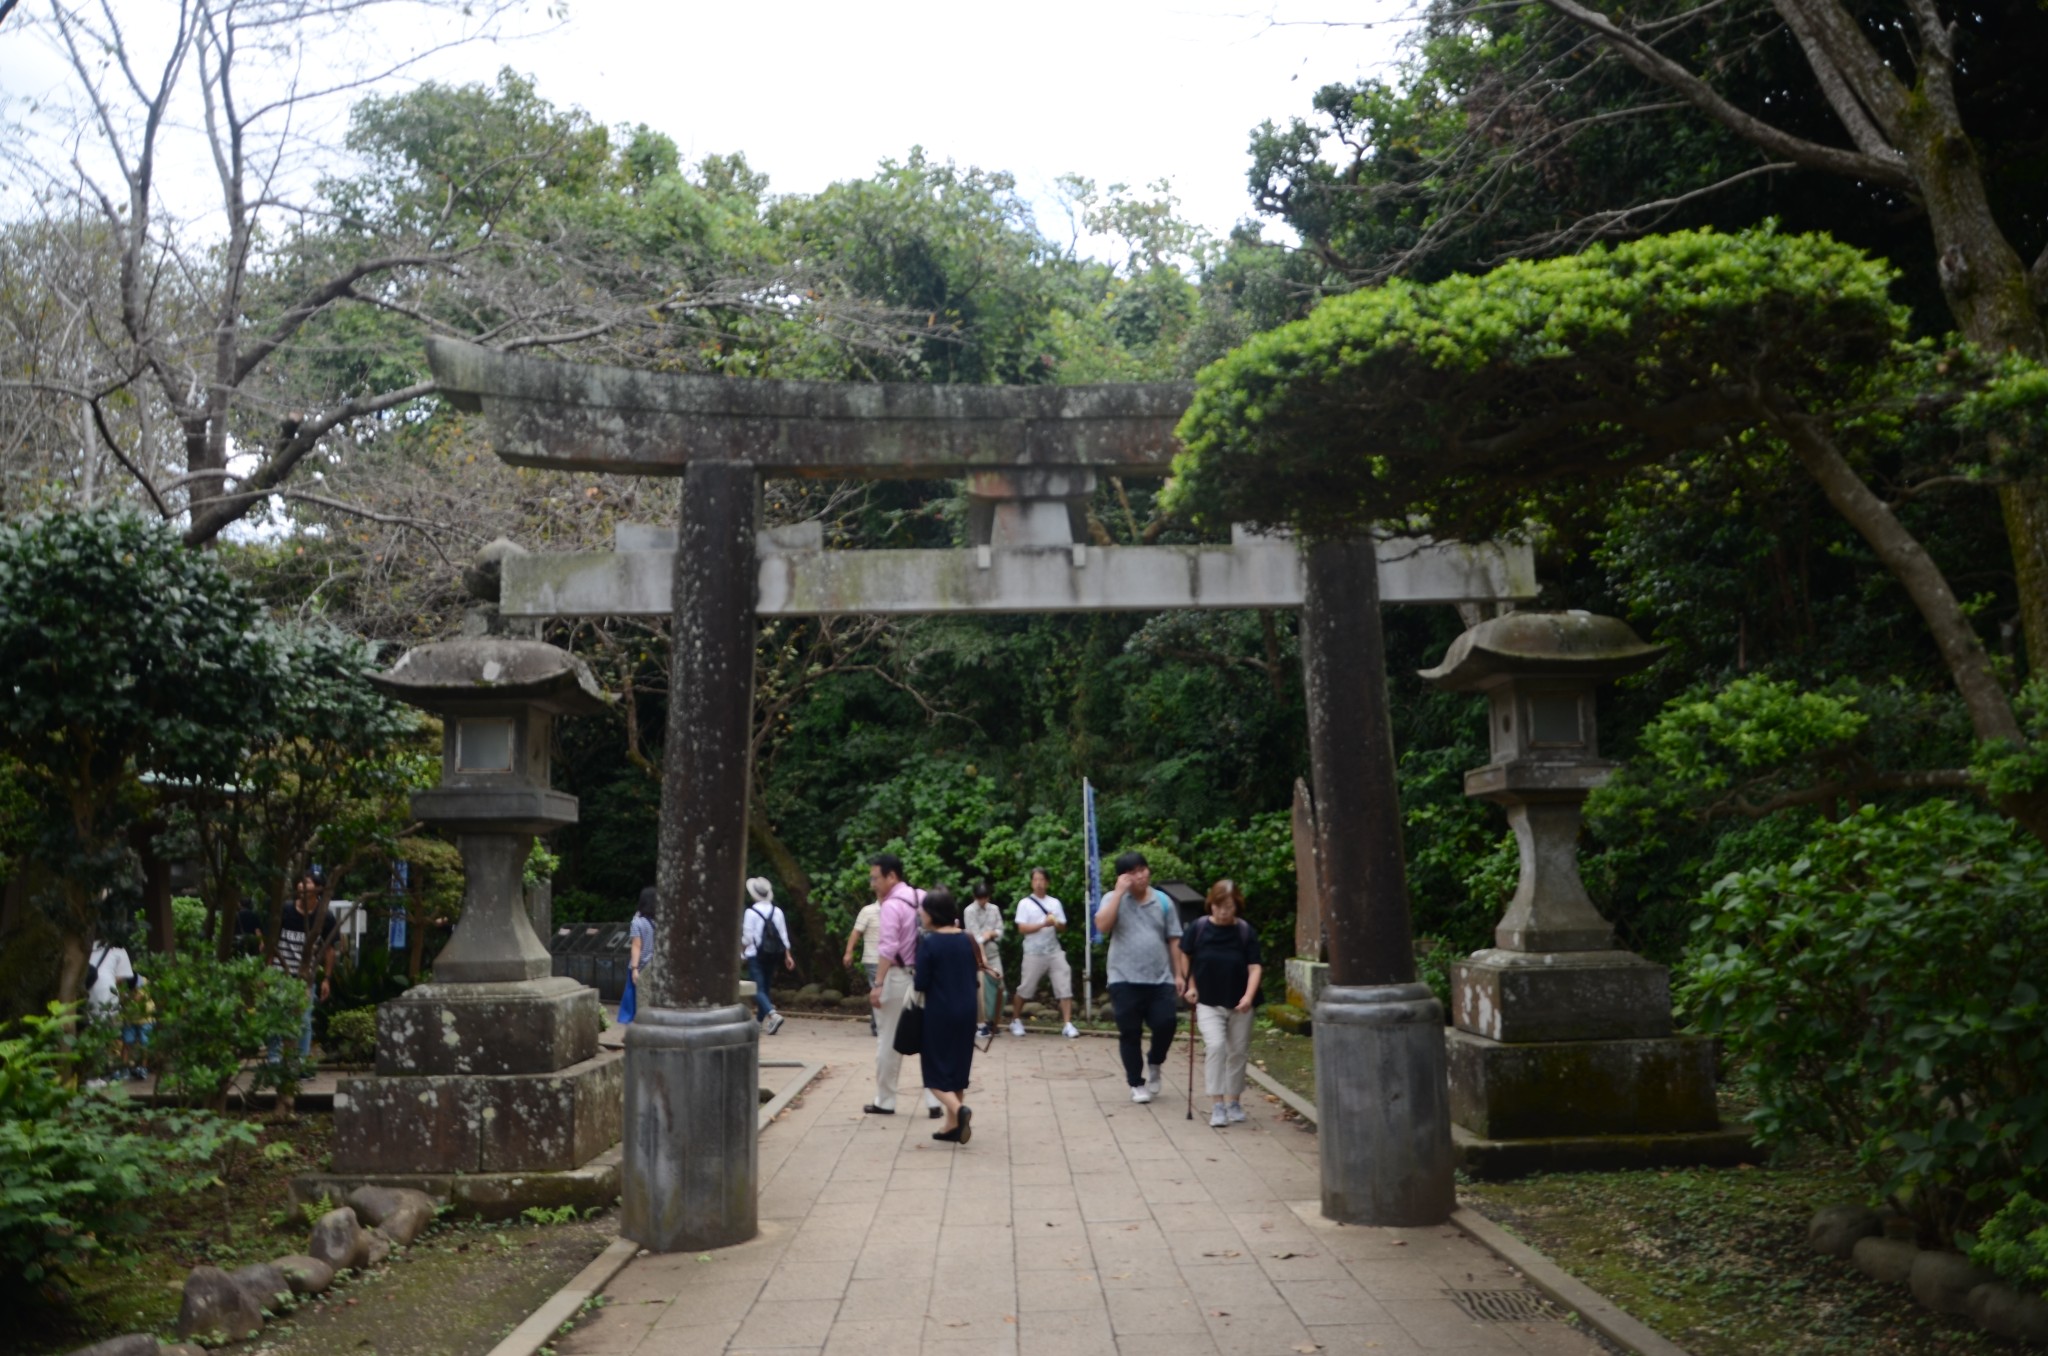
1118,90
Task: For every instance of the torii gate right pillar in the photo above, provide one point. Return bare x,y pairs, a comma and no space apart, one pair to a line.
1382,1087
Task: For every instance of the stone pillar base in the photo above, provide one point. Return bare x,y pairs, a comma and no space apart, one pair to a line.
1550,1088
693,1162
1384,1106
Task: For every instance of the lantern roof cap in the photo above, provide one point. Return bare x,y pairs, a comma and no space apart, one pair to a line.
463,674
1542,644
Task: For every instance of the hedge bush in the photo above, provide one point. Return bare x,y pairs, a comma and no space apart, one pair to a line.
1884,992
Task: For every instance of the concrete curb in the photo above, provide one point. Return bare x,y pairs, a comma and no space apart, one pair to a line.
1547,1276
776,1105
543,1323
1599,1314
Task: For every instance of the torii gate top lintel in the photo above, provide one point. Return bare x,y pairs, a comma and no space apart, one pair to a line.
579,417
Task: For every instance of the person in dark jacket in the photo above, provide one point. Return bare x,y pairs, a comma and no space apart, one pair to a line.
1224,970
949,965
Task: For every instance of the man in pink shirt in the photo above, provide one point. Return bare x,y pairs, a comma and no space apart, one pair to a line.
897,929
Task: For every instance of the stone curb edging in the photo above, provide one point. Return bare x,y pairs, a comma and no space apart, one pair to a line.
1293,1100
1598,1313
542,1325
775,1106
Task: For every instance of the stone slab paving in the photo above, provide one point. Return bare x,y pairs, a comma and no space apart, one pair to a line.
1076,1223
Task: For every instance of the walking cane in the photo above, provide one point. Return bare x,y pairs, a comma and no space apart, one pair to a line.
1191,1061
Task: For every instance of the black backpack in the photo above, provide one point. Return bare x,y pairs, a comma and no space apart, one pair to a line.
769,949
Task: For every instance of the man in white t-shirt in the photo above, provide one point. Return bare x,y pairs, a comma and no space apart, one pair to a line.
103,1000
1040,918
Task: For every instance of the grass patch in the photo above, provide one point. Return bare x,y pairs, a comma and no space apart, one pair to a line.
1713,1258
1291,1060
1716,1259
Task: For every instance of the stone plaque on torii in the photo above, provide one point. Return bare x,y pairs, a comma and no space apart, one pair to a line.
1030,456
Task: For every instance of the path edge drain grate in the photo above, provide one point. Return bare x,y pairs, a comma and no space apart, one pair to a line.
1506,1306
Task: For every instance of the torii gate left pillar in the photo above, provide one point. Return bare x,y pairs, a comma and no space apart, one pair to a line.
691,1168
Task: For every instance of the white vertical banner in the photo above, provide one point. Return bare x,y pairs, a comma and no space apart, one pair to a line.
1092,874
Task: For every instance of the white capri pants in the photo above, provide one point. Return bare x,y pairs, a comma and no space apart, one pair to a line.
1226,1045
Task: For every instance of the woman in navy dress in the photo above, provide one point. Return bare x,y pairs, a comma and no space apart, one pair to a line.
949,976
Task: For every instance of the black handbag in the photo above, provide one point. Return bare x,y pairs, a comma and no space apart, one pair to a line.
910,1028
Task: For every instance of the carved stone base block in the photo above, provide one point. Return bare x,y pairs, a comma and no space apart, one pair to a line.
522,1027
1306,980
693,1161
1612,1087
1518,996
547,1122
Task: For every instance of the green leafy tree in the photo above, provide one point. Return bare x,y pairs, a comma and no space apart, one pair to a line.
126,656
1906,128
1480,402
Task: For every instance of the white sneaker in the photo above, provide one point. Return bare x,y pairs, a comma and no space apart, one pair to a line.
1070,1033
1235,1111
1152,1072
772,1025
1217,1118
1016,1028
1141,1094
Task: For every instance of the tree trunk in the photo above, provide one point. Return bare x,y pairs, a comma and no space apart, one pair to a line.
1985,283
1991,712
156,887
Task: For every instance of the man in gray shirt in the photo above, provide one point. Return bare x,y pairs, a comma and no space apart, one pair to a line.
1146,970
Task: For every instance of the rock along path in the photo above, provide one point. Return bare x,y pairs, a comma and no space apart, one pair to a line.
1076,1223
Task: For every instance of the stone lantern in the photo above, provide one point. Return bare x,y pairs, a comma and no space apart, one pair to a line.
1563,1045
489,1084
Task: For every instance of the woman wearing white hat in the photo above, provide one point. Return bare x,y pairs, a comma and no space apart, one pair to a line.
764,944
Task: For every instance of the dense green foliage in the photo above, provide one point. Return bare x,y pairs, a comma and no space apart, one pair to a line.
1479,401
1837,980
74,1166
2014,1243
214,1016
126,655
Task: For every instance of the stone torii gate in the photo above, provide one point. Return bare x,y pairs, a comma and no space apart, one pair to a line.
1030,456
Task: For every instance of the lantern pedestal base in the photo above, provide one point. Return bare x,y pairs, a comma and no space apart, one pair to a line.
483,1195
1521,996
524,1026
1723,1147
1383,1104
508,1123
693,1160
1548,1088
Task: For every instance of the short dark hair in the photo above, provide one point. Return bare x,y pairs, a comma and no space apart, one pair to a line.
888,863
940,906
1041,871
648,898
982,889
1130,861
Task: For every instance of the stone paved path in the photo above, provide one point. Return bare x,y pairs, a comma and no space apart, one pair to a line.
1076,1223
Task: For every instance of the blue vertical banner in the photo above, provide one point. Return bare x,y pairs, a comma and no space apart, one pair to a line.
1093,875
1094,850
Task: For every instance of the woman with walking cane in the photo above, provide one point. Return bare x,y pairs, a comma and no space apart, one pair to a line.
1224,970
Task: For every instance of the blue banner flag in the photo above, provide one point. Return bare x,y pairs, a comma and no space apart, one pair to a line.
1094,849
